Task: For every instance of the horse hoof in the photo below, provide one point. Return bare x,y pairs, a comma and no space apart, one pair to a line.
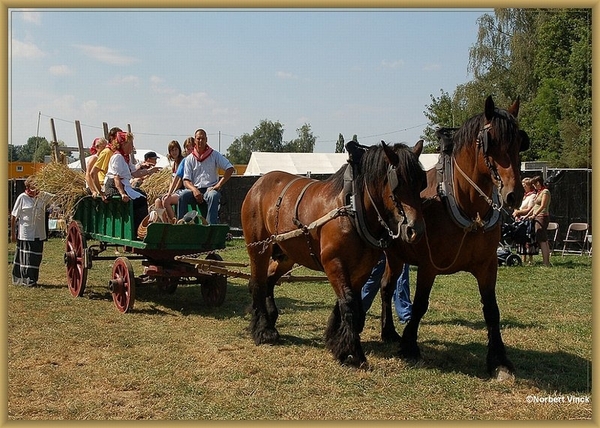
390,337
353,361
266,337
503,374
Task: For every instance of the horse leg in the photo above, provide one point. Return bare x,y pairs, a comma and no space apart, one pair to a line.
342,335
263,317
388,330
409,349
498,364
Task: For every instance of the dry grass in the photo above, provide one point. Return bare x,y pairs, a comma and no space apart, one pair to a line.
175,358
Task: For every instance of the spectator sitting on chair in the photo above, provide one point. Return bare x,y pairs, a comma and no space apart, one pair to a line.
201,178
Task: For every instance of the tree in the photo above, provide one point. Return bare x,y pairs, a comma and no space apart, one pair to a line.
35,150
305,143
266,137
542,56
13,153
340,146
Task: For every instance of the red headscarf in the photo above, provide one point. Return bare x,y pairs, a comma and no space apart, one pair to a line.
94,147
117,146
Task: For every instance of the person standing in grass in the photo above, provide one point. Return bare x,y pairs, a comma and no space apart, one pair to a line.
29,216
540,212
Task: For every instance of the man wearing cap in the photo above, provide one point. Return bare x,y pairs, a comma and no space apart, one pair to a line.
149,167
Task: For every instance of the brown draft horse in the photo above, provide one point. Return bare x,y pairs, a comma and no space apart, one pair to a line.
288,219
484,154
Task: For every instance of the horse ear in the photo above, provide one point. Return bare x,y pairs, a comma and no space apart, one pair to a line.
418,148
490,108
392,157
514,108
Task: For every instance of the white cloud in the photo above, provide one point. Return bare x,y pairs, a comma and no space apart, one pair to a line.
25,50
286,75
90,106
431,67
125,80
32,16
157,86
60,70
106,55
195,100
392,64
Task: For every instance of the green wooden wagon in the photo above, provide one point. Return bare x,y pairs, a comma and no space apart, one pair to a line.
110,223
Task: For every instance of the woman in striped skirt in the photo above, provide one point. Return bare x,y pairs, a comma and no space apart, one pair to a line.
28,229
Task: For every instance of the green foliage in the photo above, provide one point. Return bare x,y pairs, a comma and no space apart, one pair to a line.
268,137
35,150
542,56
340,145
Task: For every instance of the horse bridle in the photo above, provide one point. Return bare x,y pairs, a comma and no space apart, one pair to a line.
393,183
483,142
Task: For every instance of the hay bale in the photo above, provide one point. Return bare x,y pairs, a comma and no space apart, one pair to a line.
157,184
66,184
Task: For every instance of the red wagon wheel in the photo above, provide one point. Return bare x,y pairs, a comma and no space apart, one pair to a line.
75,258
214,287
122,284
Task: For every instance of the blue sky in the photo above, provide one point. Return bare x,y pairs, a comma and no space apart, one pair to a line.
167,73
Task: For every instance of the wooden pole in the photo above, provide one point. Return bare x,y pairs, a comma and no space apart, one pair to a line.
80,143
54,141
105,127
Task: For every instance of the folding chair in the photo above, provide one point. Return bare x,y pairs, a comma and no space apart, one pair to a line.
588,242
575,238
552,235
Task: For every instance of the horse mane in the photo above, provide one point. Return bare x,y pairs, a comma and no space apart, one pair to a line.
504,124
374,165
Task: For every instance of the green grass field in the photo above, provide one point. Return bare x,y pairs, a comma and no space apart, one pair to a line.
172,357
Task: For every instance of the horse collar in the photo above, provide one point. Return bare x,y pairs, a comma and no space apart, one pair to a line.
446,192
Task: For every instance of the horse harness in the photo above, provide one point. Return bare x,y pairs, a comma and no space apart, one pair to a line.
354,208
445,172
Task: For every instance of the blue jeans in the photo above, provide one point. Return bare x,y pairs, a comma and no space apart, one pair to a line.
401,297
212,200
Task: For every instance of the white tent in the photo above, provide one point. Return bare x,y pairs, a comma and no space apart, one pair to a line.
314,163
162,160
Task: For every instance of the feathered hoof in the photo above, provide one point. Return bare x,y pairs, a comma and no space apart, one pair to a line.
268,336
503,374
355,362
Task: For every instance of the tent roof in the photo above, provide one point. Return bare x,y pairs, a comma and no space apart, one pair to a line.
314,163
162,161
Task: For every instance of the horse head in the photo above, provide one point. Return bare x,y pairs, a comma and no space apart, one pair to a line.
501,141
498,144
405,181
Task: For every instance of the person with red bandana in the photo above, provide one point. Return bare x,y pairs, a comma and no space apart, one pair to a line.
29,216
121,169
201,178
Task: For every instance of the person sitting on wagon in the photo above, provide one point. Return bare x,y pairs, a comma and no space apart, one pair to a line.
100,166
171,198
119,174
149,164
201,178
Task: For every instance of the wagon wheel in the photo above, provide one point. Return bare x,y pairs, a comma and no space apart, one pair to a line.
122,284
75,258
167,284
214,287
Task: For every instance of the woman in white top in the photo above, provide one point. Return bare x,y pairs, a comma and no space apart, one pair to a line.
530,247
29,216
118,177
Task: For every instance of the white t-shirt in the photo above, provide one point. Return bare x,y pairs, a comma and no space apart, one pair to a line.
205,173
31,215
117,166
